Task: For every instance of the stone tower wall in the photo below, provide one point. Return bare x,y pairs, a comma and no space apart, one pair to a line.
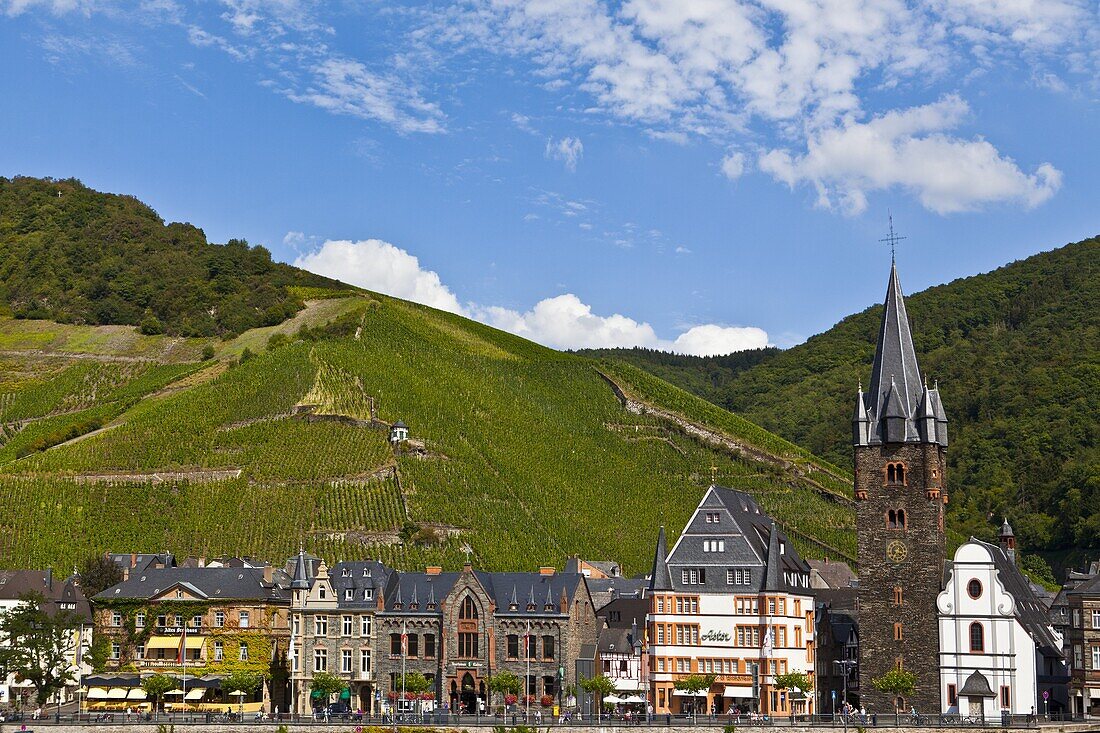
919,574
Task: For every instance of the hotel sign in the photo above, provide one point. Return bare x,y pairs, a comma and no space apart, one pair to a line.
715,636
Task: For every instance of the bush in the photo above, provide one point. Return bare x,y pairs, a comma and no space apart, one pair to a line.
208,352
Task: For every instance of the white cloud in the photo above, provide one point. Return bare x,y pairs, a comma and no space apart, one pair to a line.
710,340
380,266
561,322
568,150
523,122
346,86
57,7
733,165
909,149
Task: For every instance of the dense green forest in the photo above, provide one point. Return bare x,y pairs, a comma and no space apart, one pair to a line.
74,255
1017,355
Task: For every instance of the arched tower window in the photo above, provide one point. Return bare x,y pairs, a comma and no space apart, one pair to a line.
895,519
897,632
901,519
977,637
468,610
895,474
897,595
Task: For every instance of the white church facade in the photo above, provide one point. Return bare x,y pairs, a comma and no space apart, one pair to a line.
998,651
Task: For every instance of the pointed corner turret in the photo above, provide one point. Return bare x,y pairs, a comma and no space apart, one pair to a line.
861,420
941,416
301,572
659,579
774,569
926,417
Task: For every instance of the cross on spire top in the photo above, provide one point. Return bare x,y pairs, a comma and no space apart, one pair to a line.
892,238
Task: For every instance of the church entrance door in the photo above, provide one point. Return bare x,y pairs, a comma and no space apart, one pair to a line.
469,694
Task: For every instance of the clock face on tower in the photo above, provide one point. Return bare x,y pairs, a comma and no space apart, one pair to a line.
896,551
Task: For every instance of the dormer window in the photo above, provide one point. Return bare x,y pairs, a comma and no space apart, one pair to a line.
346,573
321,592
368,594
895,474
713,517
349,594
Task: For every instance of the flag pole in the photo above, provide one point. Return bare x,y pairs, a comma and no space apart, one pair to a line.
404,654
183,658
527,681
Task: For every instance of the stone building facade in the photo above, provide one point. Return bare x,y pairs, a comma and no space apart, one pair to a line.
333,629
462,628
900,440
1084,644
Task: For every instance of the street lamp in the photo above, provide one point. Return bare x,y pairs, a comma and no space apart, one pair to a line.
845,665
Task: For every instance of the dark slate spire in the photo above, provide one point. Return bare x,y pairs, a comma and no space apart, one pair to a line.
301,573
513,604
926,417
659,580
896,384
774,568
549,604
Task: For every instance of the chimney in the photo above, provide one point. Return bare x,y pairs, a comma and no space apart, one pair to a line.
433,570
467,567
49,578
547,570
133,559
269,573
202,561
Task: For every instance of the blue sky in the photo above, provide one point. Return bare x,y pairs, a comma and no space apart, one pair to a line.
692,175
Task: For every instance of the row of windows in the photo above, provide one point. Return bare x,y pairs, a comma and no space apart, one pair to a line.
320,661
350,594
714,545
347,625
413,645
1079,657
191,655
718,666
1077,618
244,619
678,604
531,646
677,634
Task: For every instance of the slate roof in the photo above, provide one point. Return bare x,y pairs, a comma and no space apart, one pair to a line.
618,640
141,560
14,583
1030,610
751,540
625,612
212,583
835,573
358,576
896,389
531,593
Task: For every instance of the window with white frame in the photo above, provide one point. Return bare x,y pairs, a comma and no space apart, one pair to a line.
347,625
364,661
219,618
1096,619
349,594
693,576
219,651
1096,657
244,619
737,576
243,655
368,594
116,650
713,517
139,620
320,659
364,625
345,660
714,545
320,625
140,653
116,618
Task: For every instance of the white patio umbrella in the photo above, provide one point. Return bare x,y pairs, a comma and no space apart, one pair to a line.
612,700
634,699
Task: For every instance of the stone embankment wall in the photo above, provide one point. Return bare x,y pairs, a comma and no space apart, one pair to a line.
351,727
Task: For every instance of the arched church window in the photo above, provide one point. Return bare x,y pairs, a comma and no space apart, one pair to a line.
468,610
977,637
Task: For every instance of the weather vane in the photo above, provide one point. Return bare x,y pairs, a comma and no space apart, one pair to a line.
892,239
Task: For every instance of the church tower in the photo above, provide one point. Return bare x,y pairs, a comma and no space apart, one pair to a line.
899,431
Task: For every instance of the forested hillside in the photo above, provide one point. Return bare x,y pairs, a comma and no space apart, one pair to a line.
115,440
74,255
1017,355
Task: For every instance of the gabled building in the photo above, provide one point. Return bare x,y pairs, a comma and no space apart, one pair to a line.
999,652
333,628
732,598
59,595
459,629
837,621
622,649
197,624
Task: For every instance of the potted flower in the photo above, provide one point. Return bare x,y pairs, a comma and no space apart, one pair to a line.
546,700
510,699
